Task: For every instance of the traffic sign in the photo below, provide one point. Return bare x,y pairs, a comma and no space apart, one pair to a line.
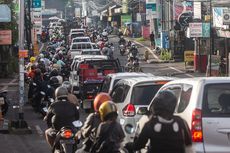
23,53
36,4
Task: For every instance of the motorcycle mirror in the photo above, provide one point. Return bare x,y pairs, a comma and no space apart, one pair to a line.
34,84
77,124
43,93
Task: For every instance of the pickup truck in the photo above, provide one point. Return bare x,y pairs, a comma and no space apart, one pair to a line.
77,48
88,75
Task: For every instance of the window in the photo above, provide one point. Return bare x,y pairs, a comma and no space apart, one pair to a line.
184,97
142,95
88,46
119,93
106,85
217,100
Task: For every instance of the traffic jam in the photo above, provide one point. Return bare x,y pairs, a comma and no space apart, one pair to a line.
126,110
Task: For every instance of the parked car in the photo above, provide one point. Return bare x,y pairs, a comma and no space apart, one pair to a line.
132,96
111,79
204,103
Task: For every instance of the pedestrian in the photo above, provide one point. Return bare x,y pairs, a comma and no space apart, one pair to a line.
167,133
152,40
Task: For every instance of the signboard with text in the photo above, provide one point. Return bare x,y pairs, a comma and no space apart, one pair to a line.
5,37
188,56
36,4
151,9
199,30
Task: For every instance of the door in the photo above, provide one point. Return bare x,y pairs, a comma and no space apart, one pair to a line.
216,118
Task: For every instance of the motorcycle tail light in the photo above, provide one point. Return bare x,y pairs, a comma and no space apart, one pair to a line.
67,134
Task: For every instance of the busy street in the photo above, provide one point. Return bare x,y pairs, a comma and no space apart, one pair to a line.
121,76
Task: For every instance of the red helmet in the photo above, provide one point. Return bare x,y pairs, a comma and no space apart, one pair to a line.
99,99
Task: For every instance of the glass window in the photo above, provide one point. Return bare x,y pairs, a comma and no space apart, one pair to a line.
106,84
119,93
184,97
88,46
142,95
217,99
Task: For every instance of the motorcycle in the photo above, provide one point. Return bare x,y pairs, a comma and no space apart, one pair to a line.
122,49
65,141
4,102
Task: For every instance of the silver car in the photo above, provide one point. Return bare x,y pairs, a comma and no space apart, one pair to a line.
132,96
204,103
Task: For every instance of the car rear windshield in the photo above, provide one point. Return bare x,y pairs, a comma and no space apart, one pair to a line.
217,100
142,95
106,85
81,40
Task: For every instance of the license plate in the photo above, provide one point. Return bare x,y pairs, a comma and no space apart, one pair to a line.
87,104
71,141
76,92
2,101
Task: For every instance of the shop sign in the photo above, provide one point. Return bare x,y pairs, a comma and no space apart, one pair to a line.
151,10
36,4
23,53
199,30
125,6
195,29
5,13
5,37
125,18
189,56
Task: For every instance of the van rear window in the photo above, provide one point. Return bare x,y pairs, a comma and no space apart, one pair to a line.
143,95
217,100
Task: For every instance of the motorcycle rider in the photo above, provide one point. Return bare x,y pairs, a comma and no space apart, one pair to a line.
133,50
61,113
88,131
71,97
109,133
167,133
122,41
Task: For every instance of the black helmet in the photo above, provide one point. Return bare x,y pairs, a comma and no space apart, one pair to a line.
54,81
54,72
61,92
164,103
67,85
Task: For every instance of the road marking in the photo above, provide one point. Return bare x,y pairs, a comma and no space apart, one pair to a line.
189,75
39,130
41,47
11,82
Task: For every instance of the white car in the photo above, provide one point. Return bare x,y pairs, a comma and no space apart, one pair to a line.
77,48
132,96
111,79
77,30
204,103
80,39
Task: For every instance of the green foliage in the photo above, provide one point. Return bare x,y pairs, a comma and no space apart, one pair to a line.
165,54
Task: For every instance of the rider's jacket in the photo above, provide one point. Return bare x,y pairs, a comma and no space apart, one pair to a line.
166,136
62,113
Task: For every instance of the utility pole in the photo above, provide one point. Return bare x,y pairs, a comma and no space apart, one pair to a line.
21,124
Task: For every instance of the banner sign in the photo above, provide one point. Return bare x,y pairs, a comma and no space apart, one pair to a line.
188,56
23,53
5,37
199,29
36,4
5,13
151,9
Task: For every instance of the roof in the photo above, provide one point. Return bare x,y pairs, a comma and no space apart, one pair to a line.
134,81
203,79
81,43
81,38
127,74
90,57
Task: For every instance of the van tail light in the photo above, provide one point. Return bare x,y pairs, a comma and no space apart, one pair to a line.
129,110
197,134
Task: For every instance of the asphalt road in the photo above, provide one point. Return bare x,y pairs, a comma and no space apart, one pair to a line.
35,142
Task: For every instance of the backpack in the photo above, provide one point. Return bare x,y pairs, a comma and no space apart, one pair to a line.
103,144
